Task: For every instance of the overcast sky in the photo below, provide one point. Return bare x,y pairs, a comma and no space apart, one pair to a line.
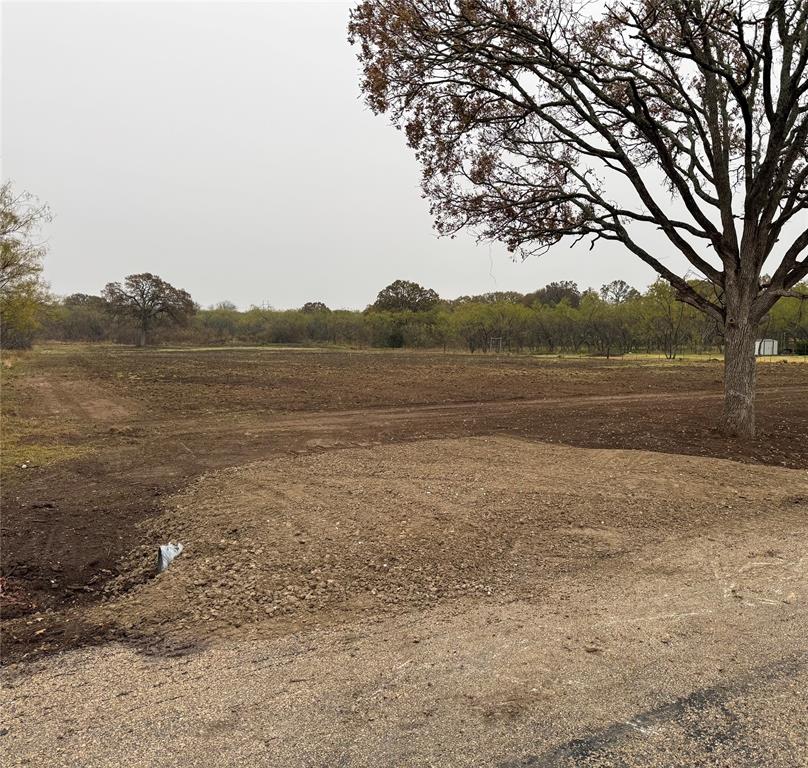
225,147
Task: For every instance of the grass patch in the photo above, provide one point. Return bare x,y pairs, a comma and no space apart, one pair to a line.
28,438
19,455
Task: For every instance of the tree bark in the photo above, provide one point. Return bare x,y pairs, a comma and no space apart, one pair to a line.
739,379
141,339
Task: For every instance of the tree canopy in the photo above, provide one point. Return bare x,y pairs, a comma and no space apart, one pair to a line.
22,292
618,291
406,295
146,299
312,307
554,293
536,121
504,321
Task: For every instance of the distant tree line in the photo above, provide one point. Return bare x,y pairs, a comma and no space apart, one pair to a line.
558,318
145,309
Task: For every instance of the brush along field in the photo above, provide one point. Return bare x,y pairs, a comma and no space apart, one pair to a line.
400,559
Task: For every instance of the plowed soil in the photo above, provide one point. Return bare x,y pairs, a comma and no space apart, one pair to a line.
400,559
117,429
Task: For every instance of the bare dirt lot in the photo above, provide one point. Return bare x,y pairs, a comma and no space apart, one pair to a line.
400,559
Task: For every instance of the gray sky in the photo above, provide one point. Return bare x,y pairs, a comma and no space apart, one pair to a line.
224,147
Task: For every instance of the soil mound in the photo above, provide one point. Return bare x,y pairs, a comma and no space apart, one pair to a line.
313,538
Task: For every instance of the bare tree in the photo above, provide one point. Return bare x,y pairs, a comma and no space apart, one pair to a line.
530,118
147,299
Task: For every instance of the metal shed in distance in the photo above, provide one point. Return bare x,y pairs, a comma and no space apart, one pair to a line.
765,347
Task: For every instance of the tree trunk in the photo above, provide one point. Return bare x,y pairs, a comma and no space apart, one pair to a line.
141,339
739,380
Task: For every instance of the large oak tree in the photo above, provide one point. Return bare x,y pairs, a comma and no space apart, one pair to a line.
403,295
536,120
147,300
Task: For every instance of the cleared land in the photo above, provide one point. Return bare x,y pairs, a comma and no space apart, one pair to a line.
401,559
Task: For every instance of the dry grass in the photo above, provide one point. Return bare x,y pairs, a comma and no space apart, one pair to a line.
29,436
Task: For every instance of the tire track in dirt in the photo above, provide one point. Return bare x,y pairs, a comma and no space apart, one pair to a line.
691,713
73,399
459,414
83,399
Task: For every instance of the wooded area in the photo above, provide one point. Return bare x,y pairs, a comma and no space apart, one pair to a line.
557,318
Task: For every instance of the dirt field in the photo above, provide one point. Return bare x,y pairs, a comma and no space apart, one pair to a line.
400,559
